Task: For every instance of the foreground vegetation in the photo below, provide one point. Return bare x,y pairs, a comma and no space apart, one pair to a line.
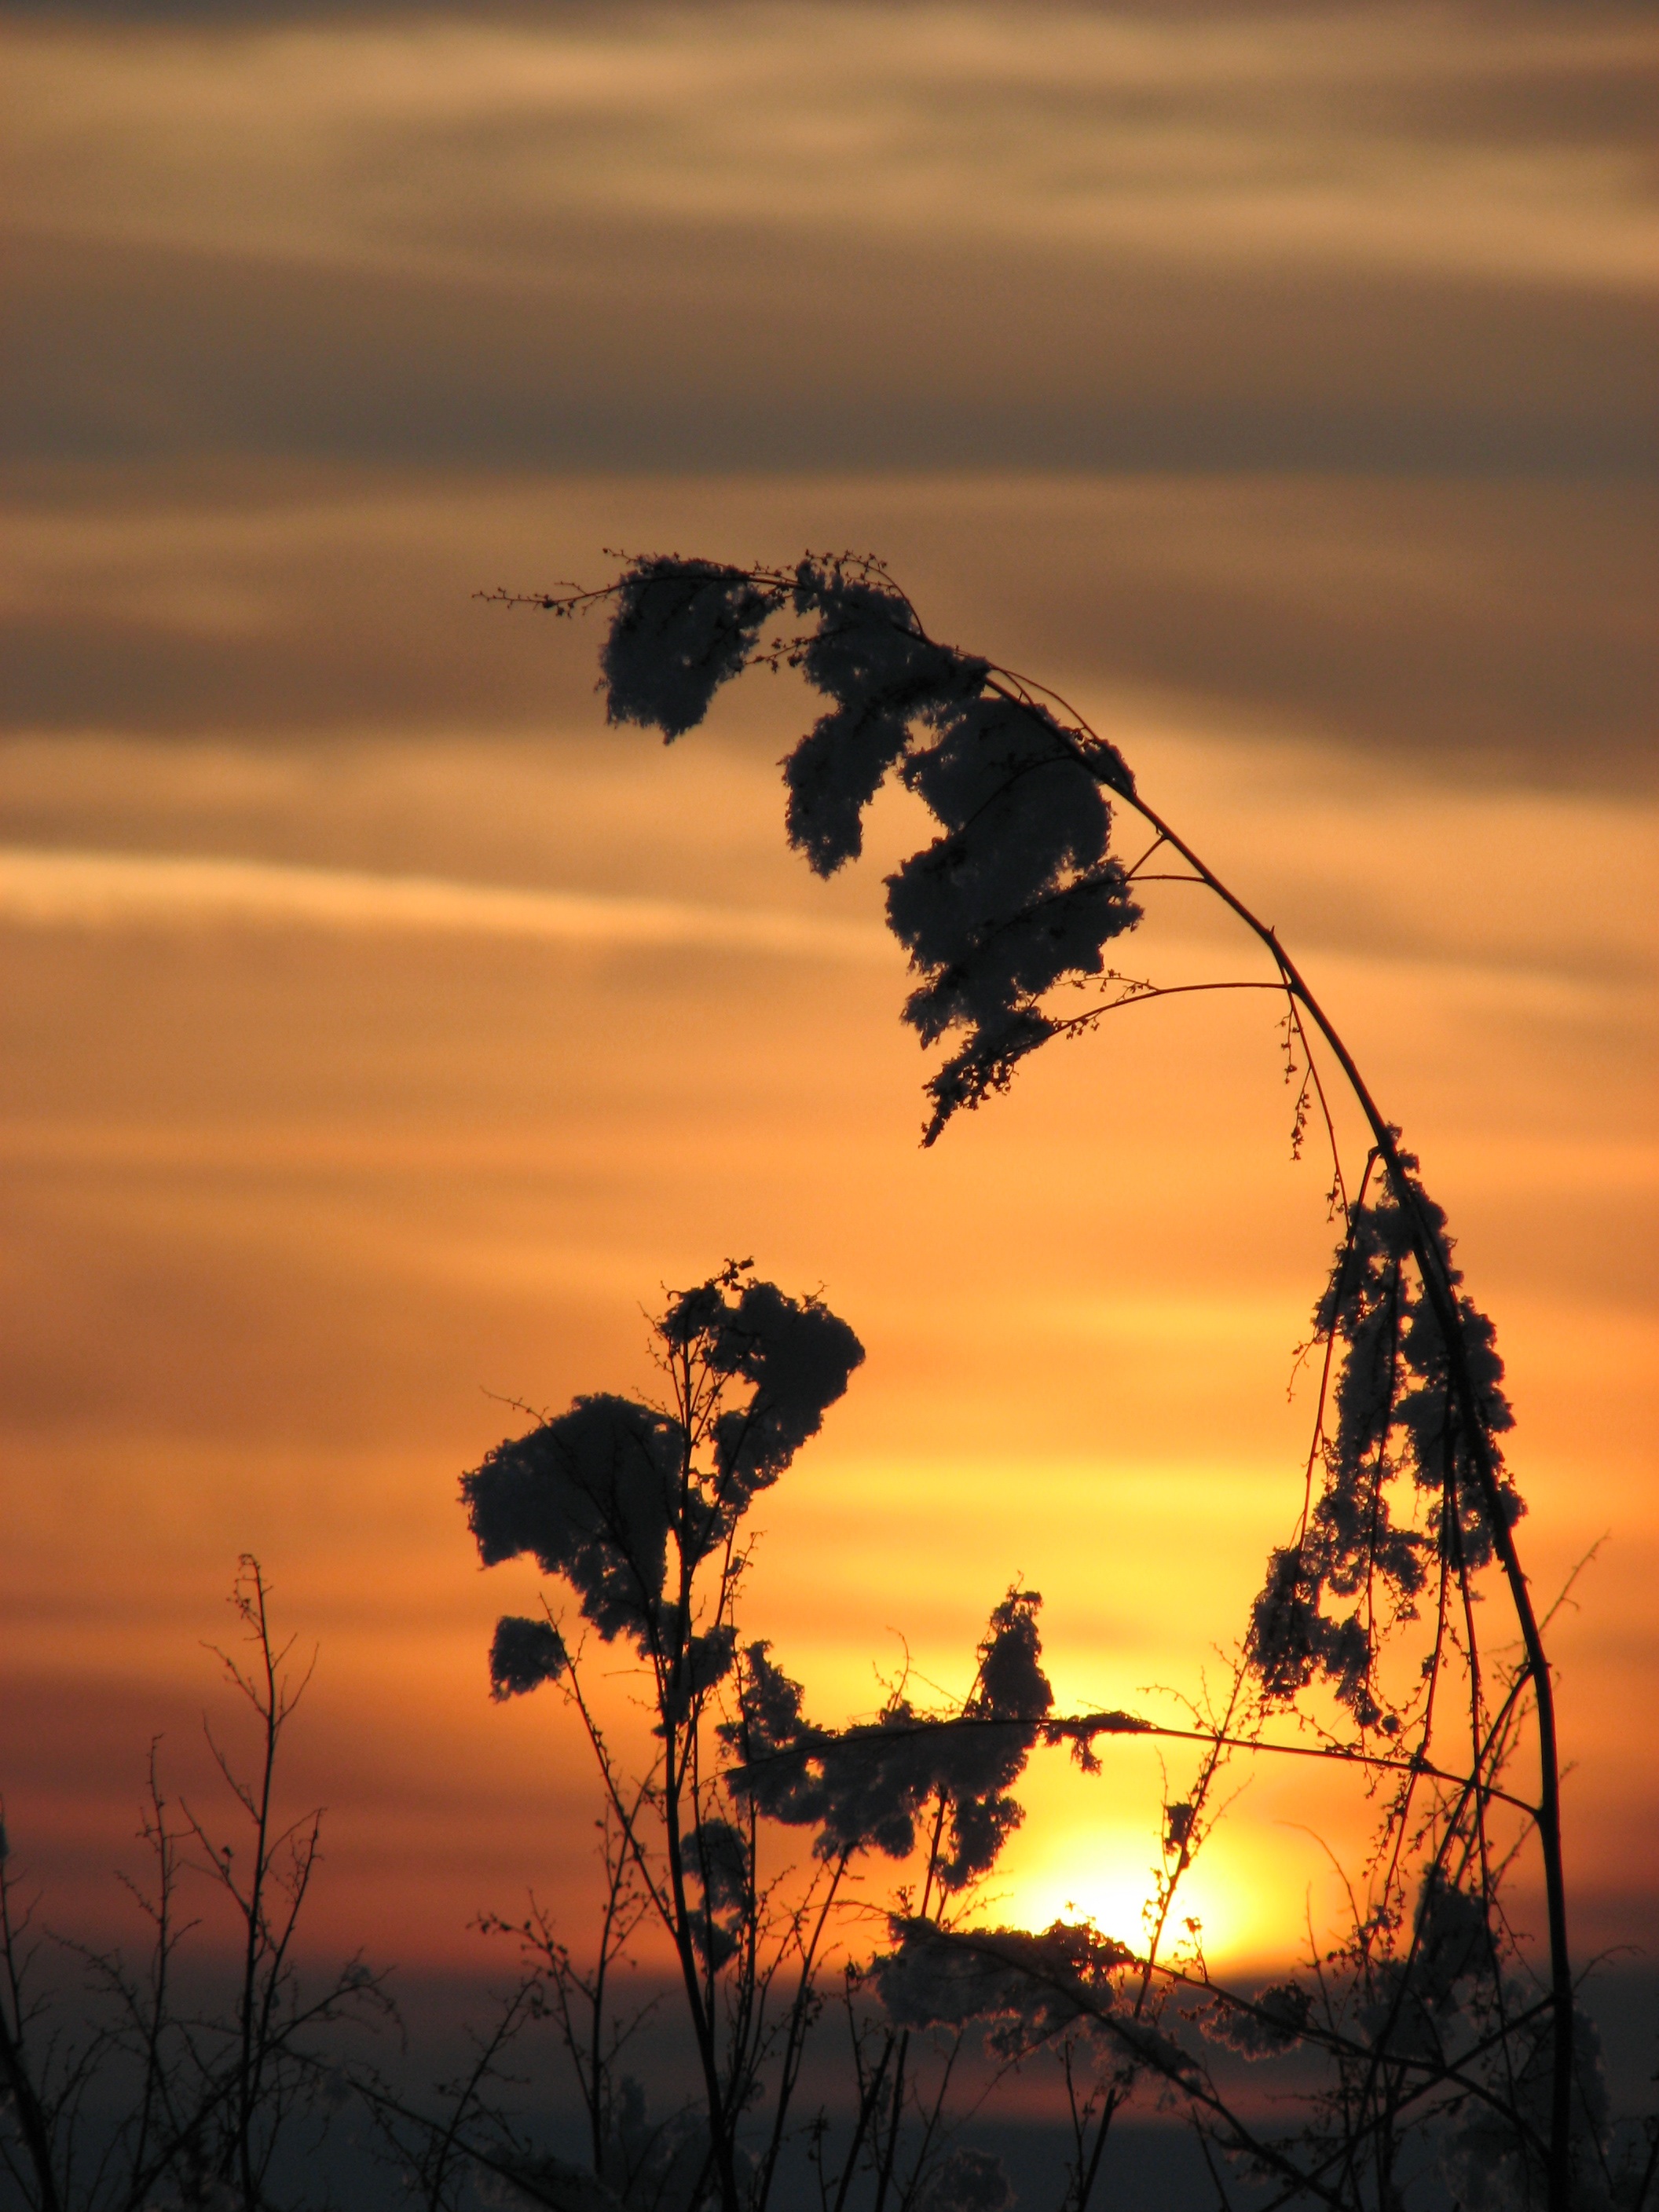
818,1890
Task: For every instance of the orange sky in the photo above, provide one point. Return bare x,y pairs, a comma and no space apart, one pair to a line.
383,1030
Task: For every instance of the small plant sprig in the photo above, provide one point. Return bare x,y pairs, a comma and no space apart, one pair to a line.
147,2096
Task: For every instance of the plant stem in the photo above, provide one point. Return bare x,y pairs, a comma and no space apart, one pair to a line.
1426,1249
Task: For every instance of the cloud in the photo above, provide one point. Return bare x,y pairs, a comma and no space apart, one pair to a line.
124,891
1473,629
839,236
729,347
310,270
1379,136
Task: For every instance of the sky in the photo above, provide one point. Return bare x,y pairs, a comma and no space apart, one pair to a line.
383,1031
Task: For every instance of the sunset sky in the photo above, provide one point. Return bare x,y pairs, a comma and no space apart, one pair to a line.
383,1030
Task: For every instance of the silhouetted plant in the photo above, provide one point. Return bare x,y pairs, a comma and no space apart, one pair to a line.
639,1511
157,2090
1426,2015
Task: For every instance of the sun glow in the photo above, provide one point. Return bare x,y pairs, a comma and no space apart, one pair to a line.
1107,1875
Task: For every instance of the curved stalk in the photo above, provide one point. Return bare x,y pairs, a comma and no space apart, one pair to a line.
1425,1250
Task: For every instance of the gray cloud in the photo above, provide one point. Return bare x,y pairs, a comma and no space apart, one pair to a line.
723,349
321,321
1471,626
840,236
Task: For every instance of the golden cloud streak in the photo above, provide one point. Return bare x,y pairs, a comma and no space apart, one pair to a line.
52,889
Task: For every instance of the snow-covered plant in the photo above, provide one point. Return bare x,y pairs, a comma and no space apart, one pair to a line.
1011,909
636,1513
1017,893
1396,1414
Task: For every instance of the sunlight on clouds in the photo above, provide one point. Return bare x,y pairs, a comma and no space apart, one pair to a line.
1581,912
109,890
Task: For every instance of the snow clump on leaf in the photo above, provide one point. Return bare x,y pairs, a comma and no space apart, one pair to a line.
599,1495
524,1653
969,2181
1018,892
1395,1413
681,629
1274,2021
865,1788
1029,1987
